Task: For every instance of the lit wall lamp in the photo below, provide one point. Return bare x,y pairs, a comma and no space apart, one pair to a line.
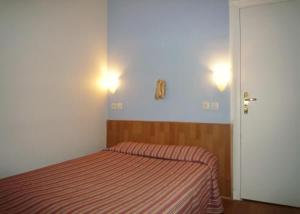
110,81
221,75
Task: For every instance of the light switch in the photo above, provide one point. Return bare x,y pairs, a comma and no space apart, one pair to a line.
114,106
214,106
205,105
117,106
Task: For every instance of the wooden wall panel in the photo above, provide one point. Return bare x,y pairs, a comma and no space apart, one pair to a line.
213,137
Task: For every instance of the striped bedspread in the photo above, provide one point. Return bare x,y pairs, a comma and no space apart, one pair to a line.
129,178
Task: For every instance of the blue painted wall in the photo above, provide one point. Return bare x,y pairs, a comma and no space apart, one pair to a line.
172,40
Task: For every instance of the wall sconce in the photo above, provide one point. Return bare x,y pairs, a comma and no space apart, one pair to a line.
160,91
110,81
221,75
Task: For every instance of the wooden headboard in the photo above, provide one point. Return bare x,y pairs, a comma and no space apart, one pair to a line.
213,137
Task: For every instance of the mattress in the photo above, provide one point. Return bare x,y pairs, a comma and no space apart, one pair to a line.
128,178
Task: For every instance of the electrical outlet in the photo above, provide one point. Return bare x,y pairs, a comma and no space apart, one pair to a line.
214,106
119,106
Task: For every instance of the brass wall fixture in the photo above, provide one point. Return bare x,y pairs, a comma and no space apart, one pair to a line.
160,91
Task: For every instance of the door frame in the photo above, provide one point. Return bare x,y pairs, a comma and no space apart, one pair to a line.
235,7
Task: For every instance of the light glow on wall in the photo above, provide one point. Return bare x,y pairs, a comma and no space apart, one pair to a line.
110,81
221,75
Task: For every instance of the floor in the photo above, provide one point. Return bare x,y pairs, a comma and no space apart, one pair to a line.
250,207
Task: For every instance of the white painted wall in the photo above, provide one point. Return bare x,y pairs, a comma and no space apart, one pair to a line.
50,54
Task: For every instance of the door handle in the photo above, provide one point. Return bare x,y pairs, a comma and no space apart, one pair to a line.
250,99
247,100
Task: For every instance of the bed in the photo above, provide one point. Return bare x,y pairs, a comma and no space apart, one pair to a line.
127,178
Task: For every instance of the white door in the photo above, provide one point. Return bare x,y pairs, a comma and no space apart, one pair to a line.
270,132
